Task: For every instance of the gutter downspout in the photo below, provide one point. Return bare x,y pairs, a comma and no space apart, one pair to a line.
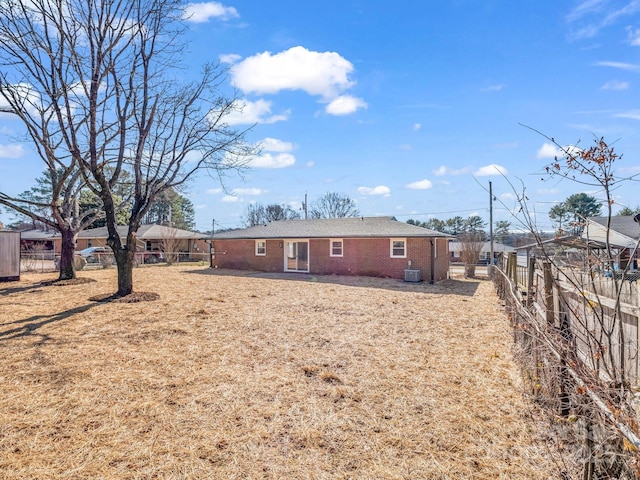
433,261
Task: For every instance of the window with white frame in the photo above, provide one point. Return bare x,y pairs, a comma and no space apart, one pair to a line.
398,248
261,247
336,247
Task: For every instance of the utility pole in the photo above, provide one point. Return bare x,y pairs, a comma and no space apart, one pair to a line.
212,249
491,230
304,205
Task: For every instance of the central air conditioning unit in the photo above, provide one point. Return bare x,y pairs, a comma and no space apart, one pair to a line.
412,275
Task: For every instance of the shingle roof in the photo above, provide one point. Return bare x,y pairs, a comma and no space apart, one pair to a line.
39,235
623,224
145,232
486,247
332,228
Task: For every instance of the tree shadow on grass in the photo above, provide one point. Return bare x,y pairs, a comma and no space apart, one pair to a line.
30,326
45,283
450,286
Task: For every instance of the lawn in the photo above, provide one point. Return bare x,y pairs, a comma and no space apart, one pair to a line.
236,376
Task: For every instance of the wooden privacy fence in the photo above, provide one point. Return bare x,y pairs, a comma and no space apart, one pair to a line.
597,315
576,338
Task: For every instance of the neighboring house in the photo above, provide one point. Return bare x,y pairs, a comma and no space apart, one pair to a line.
622,237
498,249
368,246
150,238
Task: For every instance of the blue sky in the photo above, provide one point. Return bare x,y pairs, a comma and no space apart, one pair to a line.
409,107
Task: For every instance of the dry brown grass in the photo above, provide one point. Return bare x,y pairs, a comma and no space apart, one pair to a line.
236,376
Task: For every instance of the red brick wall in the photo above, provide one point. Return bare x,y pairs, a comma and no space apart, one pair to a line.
361,256
241,255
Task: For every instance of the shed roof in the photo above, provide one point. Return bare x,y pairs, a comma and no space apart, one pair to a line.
486,247
145,232
624,224
332,228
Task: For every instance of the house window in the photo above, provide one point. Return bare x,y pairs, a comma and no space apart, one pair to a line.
261,247
336,247
398,248
148,246
89,244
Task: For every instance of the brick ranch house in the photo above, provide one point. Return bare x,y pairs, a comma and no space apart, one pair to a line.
150,238
367,246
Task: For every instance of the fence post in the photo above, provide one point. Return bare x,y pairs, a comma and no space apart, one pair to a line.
548,292
530,270
513,270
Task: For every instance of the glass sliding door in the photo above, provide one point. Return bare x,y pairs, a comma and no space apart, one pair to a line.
296,256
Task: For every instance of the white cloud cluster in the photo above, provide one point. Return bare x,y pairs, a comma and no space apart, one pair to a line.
380,190
248,191
615,85
489,170
420,185
11,151
345,105
629,67
202,12
276,155
443,170
548,150
248,113
322,74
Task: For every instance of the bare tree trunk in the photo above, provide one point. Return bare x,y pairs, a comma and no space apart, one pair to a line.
469,270
124,261
67,270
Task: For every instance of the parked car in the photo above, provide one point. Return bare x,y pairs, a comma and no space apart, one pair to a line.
95,254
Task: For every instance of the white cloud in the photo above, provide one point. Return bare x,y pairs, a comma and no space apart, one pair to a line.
276,154
634,36
420,185
442,170
311,164
629,67
345,105
492,169
248,191
229,57
230,199
11,151
325,74
203,12
548,150
214,191
249,113
416,127
379,190
268,160
631,114
274,145
615,85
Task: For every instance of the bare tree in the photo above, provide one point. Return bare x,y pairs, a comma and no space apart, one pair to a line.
57,206
103,77
334,205
471,243
258,214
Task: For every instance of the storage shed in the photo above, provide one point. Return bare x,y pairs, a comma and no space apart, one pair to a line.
9,256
